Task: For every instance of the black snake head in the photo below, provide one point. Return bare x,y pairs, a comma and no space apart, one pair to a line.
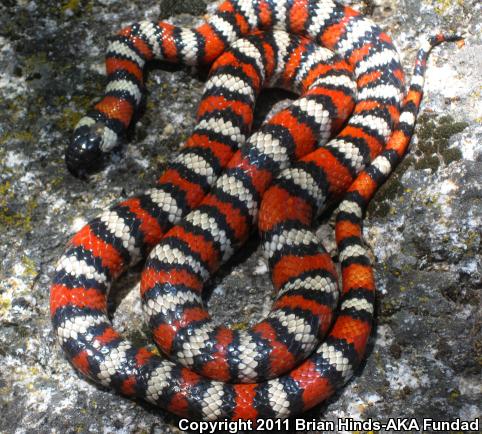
84,155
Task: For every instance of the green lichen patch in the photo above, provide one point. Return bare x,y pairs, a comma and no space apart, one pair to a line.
240,326
434,135
442,6
17,136
69,119
5,303
175,7
73,110
77,7
13,111
432,151
11,218
393,188
72,5
30,268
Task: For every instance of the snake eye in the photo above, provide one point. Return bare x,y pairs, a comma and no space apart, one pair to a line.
84,155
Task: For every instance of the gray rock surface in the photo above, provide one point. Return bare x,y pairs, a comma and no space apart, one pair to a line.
423,226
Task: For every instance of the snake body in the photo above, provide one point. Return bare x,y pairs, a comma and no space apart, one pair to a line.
222,183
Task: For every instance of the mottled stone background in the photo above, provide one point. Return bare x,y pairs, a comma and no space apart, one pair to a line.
423,226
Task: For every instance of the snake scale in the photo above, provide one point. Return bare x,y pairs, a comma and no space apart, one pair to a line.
340,139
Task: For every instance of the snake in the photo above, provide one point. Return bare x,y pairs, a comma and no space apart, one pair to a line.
340,140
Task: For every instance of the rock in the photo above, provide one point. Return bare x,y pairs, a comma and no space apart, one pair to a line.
423,226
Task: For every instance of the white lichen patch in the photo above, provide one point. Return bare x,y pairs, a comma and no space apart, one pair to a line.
437,78
385,238
59,205
448,186
468,142
384,336
219,290
469,386
469,412
14,287
30,179
326,233
261,267
66,403
266,306
470,267
135,154
98,68
446,80
11,86
179,118
403,375
15,159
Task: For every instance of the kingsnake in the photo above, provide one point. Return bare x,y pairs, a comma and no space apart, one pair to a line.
205,204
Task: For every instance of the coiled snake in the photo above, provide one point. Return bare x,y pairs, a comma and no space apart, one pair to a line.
223,183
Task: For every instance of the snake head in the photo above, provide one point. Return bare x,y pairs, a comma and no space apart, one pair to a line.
84,154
